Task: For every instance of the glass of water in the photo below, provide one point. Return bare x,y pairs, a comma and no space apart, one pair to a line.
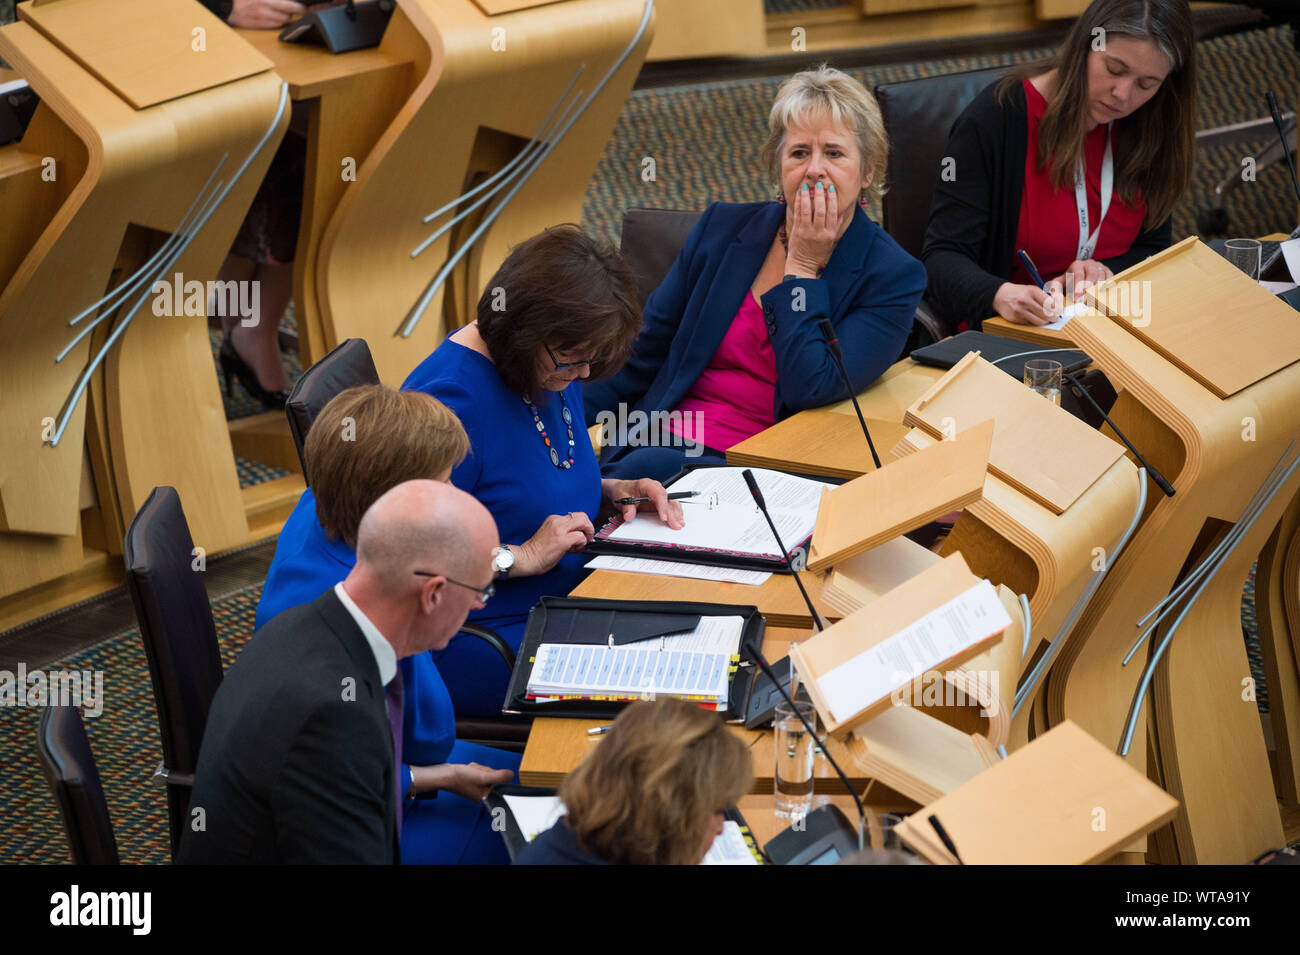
1044,376
1244,254
792,783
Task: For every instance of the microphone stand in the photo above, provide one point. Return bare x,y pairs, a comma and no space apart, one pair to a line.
829,331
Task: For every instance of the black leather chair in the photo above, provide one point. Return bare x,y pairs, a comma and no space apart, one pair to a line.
918,117
180,640
347,366
652,239
69,768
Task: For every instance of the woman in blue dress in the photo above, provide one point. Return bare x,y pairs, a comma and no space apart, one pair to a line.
365,441
562,308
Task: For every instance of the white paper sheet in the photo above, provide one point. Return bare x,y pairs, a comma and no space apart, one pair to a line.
938,636
1291,253
534,814
695,664
1078,308
735,523
729,848
677,568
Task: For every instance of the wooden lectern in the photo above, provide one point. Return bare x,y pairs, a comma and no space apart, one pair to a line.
1210,392
120,179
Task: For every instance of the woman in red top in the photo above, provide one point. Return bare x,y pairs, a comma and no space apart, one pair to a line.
1078,160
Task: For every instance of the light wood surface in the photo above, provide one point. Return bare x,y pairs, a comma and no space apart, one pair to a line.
1211,748
821,442
1064,799
472,109
1041,449
777,598
123,179
162,49
918,755
880,620
901,496
1250,334
1277,579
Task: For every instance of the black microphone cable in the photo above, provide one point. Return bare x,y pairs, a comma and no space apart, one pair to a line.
834,343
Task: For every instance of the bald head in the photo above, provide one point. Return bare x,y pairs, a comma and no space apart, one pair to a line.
427,526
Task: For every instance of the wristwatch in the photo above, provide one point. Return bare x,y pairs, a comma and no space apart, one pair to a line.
502,561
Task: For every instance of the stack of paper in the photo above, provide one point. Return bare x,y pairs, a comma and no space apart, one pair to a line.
734,524
695,666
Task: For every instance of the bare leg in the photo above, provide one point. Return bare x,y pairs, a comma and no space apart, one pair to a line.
259,345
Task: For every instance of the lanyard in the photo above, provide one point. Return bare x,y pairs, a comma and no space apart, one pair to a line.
1088,240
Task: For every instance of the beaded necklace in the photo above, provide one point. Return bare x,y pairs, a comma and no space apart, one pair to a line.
567,415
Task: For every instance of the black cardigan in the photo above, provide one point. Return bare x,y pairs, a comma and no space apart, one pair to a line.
970,242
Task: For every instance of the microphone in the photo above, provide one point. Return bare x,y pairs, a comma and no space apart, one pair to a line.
1155,475
748,475
1276,113
829,331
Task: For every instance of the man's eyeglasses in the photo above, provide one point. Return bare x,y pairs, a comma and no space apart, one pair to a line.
562,365
484,593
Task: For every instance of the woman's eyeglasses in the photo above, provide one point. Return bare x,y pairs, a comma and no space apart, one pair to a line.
562,365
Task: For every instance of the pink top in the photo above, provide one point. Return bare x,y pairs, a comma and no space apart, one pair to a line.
734,397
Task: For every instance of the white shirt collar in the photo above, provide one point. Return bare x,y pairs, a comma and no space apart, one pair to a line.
385,655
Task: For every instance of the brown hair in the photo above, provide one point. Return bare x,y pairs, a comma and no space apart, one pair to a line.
646,794
828,92
1154,146
565,290
372,438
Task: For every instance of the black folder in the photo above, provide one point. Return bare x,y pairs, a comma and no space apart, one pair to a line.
601,544
992,348
587,620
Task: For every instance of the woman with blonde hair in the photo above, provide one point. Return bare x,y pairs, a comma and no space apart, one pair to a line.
652,792
730,341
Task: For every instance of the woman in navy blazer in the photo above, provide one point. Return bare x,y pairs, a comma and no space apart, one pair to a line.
731,335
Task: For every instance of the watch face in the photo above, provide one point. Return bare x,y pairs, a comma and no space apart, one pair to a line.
503,560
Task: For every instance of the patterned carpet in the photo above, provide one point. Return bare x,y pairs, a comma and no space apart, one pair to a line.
124,740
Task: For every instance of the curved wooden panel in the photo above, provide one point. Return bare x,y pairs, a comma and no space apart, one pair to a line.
473,101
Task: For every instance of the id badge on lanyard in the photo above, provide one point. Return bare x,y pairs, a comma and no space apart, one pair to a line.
1088,240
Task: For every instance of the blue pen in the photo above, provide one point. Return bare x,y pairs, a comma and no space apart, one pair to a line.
1029,267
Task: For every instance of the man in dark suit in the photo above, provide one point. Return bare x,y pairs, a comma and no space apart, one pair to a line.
298,762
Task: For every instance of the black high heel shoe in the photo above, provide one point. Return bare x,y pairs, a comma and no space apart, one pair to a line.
232,366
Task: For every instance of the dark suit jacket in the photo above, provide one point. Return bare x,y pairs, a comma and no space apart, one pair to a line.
296,763
869,291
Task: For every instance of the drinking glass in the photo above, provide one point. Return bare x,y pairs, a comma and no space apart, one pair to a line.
792,782
1244,254
1044,376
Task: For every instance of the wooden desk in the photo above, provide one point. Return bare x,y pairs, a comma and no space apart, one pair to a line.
760,813
778,598
556,746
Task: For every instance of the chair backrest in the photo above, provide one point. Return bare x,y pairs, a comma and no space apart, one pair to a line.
651,240
180,638
347,366
69,768
918,117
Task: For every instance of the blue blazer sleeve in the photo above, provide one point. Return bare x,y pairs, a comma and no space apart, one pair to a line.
660,319
871,332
